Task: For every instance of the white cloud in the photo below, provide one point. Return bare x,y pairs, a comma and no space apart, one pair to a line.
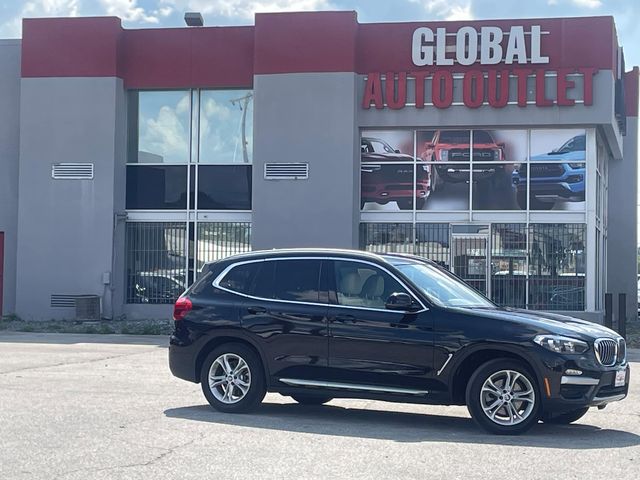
129,10
246,8
39,8
448,9
167,133
587,3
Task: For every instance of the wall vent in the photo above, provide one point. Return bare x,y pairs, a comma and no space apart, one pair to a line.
286,171
72,171
64,301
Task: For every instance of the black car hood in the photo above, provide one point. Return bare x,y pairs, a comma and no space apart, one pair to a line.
547,322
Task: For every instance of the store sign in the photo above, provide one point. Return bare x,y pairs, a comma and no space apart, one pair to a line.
486,46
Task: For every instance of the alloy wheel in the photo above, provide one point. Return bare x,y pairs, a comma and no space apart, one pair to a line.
507,397
229,378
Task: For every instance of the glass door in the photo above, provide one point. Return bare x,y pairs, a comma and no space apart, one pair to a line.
469,259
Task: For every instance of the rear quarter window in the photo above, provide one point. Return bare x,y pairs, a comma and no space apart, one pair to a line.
240,278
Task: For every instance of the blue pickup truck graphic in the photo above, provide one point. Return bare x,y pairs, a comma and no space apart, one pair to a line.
561,180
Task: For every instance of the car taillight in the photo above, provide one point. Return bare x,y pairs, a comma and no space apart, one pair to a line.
182,306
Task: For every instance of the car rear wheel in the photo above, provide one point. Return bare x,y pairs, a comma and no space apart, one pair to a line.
311,399
502,397
564,418
232,378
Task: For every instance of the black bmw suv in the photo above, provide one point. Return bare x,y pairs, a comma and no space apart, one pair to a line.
322,324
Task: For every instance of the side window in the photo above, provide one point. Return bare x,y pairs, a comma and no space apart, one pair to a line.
297,280
240,278
362,285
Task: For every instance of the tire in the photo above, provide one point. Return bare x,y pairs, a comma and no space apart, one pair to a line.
564,418
311,399
499,417
405,204
248,383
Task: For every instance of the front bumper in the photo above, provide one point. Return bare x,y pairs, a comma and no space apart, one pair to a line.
595,387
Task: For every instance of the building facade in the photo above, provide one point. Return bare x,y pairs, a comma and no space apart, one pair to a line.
504,150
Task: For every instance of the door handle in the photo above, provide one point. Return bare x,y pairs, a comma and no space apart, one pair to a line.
345,318
256,310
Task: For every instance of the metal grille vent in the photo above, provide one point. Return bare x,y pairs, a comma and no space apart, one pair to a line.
64,301
286,171
606,351
72,171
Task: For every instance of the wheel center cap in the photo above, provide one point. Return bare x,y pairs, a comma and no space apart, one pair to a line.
507,397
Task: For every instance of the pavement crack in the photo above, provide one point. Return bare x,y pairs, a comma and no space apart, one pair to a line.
155,459
102,359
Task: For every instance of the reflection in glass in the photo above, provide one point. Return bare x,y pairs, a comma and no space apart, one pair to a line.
509,264
156,187
390,186
163,127
495,190
226,126
560,185
386,237
432,242
387,145
224,187
449,187
155,261
556,266
218,240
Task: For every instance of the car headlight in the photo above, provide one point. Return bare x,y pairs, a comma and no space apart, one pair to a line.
444,155
559,344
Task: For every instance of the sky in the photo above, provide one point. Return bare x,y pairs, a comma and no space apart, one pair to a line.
169,13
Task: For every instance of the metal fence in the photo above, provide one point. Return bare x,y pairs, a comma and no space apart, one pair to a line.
539,266
156,264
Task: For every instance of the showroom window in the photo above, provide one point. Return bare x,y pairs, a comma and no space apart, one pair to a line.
188,170
540,267
472,170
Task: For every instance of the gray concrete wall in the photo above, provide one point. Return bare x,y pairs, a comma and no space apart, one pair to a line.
306,118
622,223
9,154
65,226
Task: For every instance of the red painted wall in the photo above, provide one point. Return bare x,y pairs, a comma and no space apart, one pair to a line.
278,43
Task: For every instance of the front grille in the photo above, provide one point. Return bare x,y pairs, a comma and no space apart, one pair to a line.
606,351
545,170
622,351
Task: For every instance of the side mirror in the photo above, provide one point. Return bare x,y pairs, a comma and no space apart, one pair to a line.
400,301
500,144
429,145
397,151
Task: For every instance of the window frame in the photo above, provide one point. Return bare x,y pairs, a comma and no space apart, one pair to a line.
221,275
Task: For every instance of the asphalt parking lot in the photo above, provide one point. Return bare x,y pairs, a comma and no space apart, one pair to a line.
97,407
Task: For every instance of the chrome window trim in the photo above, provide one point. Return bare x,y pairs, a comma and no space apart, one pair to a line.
218,279
350,386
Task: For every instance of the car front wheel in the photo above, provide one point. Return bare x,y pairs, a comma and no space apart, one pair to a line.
232,378
502,397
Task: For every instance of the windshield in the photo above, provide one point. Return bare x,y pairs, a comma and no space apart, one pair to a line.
576,144
441,287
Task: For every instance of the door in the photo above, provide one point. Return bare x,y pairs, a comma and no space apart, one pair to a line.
1,270
469,259
370,347
287,309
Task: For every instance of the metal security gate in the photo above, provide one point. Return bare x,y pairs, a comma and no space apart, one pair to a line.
469,259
